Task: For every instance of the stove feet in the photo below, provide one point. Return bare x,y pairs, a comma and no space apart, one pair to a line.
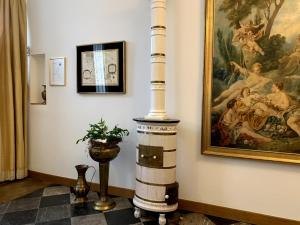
162,219
137,212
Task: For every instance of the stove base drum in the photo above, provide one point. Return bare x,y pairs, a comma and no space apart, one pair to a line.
156,187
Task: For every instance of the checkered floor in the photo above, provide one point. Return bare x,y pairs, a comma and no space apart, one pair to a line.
55,206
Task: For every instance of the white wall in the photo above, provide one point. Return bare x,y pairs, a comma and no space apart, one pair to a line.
57,26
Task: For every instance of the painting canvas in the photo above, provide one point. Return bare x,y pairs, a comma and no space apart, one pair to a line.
107,60
252,79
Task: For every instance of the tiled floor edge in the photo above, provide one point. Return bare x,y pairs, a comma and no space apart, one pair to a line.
213,210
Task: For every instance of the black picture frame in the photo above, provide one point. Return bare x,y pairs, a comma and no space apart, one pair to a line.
101,68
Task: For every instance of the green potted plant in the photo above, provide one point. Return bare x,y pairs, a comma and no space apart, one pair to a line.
103,148
99,135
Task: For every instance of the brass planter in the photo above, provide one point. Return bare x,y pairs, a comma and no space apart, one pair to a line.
104,153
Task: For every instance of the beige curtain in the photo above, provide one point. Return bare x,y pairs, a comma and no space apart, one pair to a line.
13,90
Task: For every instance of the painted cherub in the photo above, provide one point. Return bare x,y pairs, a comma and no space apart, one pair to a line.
247,35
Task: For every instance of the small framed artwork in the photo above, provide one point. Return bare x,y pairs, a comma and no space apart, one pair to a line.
57,71
101,68
251,80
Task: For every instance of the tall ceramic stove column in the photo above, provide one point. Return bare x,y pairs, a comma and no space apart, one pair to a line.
158,55
156,187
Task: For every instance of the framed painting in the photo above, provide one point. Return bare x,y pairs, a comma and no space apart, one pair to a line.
101,68
251,103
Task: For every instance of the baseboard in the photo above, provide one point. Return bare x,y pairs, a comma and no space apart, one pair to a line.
213,210
117,191
234,214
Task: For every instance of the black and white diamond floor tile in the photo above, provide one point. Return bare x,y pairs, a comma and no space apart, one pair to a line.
55,205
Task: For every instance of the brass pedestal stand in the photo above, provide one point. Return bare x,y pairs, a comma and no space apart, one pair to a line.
104,203
104,156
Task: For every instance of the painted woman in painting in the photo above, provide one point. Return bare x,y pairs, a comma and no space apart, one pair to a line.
274,104
231,127
290,64
253,80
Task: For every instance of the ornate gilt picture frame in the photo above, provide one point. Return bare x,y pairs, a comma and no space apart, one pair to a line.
251,103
